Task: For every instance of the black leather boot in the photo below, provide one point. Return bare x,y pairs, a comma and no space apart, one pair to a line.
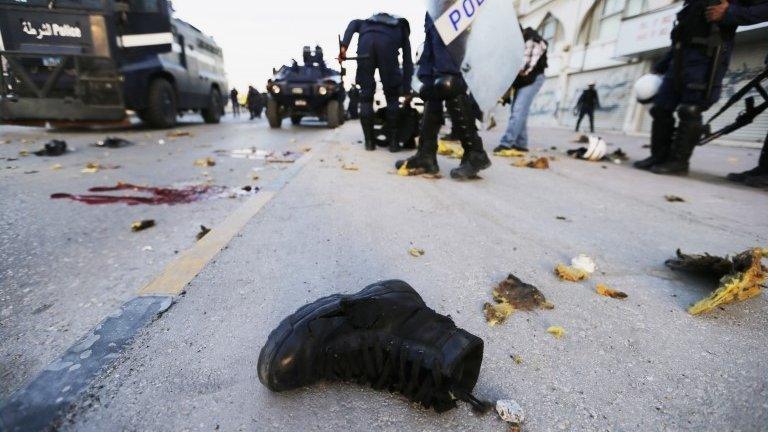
760,171
367,124
688,134
383,336
392,131
475,158
662,132
425,158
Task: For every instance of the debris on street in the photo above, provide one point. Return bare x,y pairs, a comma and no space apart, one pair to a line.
510,153
510,295
56,167
556,331
604,291
113,142
584,263
178,134
570,274
52,148
594,152
673,198
142,225
416,252
538,163
156,195
350,167
510,411
94,167
247,153
284,157
205,162
203,232
452,149
739,278
517,359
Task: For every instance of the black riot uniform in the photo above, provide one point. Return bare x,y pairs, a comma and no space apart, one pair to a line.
693,72
443,82
382,36
353,110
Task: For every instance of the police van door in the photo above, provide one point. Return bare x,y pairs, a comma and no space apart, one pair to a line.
143,26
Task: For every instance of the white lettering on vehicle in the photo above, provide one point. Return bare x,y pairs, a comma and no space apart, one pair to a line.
457,18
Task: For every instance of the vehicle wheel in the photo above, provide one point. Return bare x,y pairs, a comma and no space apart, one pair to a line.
161,110
296,120
334,114
212,113
273,114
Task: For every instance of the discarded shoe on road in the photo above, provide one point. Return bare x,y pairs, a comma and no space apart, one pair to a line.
384,336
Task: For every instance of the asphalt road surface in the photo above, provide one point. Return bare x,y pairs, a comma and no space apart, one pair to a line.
638,364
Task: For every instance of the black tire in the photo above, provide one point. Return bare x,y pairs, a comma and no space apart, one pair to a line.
212,113
161,110
333,114
273,114
295,120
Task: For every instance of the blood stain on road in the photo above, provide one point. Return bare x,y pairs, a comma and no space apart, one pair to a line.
156,195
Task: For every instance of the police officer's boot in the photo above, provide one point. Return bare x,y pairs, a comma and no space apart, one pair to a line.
392,131
367,124
425,158
757,176
475,158
384,336
688,134
662,132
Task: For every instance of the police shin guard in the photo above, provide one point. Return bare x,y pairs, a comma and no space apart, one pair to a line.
392,131
662,131
367,124
385,337
475,158
425,159
686,138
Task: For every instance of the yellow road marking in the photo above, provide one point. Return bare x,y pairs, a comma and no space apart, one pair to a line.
183,269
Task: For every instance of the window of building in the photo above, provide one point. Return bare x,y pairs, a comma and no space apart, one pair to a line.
549,30
605,20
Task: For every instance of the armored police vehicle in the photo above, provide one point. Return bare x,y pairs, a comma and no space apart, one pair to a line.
311,90
88,61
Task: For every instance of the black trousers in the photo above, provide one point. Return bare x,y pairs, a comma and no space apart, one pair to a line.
591,114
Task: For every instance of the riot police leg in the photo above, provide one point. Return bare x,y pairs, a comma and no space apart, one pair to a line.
425,158
688,134
366,122
758,176
392,120
460,111
662,131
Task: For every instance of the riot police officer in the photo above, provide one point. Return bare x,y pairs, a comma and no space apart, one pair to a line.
693,72
381,37
442,82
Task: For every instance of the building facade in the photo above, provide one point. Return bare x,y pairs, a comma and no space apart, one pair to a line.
612,43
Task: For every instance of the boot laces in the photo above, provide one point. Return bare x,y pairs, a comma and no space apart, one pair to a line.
391,364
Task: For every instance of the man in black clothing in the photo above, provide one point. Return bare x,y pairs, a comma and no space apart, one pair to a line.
235,104
254,102
588,102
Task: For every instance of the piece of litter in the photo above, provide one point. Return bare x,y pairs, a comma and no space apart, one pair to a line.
450,148
570,274
113,142
161,142
510,295
147,248
52,148
23,153
510,153
510,411
539,163
205,162
739,278
178,134
517,359
562,218
416,252
203,232
556,331
673,198
584,263
350,167
604,291
56,167
142,225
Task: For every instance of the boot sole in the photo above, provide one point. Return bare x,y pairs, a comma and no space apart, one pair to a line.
310,311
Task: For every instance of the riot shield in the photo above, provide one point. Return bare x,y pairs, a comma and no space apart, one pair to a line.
484,38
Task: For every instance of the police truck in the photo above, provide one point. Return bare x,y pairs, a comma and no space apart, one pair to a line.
89,61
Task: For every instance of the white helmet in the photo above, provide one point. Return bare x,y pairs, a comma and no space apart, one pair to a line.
647,87
596,150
